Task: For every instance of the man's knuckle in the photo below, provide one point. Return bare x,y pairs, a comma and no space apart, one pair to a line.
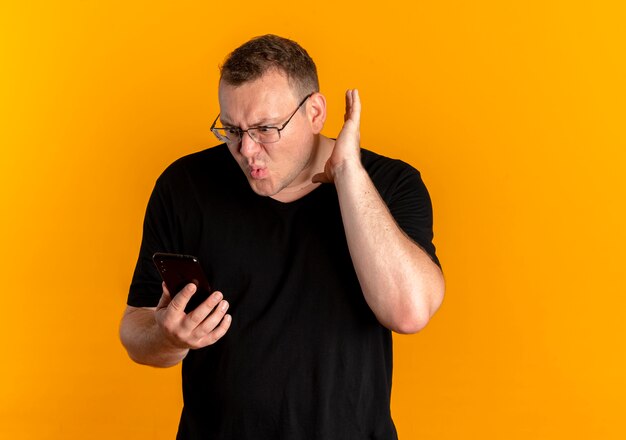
175,305
196,318
177,335
168,326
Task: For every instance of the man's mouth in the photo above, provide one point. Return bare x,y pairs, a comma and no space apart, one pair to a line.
258,172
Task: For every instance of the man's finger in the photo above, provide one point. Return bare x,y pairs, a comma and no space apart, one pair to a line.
211,322
195,317
320,178
165,298
217,332
355,107
179,302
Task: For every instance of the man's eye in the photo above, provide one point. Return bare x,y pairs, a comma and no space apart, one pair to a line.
265,129
231,130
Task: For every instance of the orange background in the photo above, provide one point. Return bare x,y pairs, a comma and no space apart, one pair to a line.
513,111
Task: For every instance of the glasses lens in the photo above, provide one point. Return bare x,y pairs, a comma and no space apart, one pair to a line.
227,134
264,135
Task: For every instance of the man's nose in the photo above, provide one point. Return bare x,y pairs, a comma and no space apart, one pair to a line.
249,146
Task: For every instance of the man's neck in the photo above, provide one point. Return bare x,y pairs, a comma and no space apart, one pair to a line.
322,152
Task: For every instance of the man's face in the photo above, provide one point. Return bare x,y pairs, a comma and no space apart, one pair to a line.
269,101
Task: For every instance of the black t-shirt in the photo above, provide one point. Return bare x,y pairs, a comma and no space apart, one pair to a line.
305,357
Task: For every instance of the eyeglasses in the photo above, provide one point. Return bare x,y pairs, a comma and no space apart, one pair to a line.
262,134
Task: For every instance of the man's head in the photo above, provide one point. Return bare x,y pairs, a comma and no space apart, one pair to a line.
262,83
255,58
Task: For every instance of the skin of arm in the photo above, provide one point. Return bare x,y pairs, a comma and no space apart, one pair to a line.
400,282
162,336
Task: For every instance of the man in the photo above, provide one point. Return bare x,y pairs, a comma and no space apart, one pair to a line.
319,248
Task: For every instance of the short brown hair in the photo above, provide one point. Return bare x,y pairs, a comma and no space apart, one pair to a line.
253,59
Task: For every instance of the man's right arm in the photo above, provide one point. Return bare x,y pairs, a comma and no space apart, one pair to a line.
162,336
144,340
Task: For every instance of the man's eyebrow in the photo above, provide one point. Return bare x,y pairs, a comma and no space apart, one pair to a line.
263,122
224,121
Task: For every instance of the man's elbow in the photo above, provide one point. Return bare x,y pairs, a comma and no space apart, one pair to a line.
413,319
139,356
410,323
127,343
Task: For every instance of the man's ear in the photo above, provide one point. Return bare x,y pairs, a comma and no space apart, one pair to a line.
316,112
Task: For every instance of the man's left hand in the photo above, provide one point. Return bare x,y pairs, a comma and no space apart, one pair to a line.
347,148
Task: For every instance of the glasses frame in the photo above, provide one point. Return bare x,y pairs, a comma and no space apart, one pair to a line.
241,132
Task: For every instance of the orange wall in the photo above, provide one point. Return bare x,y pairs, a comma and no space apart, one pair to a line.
513,111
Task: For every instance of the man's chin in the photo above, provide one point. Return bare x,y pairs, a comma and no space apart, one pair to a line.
262,188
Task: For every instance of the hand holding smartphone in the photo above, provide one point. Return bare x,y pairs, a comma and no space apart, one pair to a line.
177,271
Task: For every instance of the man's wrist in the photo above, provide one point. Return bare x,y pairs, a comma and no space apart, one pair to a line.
348,170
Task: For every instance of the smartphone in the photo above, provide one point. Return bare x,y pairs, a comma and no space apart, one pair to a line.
177,271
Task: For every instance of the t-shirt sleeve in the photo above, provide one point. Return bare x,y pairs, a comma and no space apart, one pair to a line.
158,236
411,207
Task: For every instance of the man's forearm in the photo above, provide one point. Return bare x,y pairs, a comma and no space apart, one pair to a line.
400,282
144,341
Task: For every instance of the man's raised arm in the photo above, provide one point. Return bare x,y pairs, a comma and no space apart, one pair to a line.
400,282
